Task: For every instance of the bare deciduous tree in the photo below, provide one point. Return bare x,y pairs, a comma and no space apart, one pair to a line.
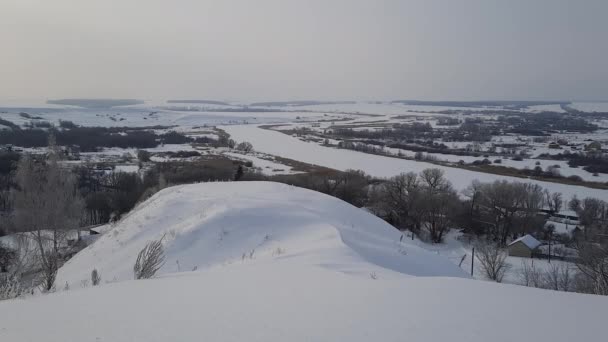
554,201
558,277
245,147
511,205
593,265
47,206
149,260
493,261
530,275
7,257
402,194
438,203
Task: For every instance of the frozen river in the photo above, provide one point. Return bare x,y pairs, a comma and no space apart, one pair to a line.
283,145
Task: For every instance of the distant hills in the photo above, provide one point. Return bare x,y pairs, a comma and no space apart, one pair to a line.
515,104
96,103
209,102
298,103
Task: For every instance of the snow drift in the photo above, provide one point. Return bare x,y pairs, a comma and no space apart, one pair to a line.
213,224
278,263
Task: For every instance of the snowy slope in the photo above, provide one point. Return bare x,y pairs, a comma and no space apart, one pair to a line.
263,302
213,224
322,270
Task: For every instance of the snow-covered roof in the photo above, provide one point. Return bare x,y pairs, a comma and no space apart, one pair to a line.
567,213
527,240
566,227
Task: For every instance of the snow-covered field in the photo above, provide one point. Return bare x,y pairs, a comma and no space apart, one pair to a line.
277,263
591,106
318,117
282,145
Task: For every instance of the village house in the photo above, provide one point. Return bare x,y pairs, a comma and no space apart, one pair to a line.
524,247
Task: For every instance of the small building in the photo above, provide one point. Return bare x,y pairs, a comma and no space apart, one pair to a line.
593,146
567,216
565,228
523,247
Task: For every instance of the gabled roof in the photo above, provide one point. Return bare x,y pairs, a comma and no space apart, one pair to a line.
527,240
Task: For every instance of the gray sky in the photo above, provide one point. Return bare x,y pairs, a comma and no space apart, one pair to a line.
305,49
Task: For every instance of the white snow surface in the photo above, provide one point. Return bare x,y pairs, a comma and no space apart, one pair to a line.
212,224
322,270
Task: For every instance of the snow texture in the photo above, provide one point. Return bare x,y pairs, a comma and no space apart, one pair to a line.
321,270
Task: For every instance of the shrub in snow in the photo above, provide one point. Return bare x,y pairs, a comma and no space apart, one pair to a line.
558,277
95,277
10,287
7,257
530,275
149,260
493,261
245,147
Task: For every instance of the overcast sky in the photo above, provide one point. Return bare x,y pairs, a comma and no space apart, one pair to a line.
305,49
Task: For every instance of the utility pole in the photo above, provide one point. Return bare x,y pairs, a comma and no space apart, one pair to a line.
550,238
472,260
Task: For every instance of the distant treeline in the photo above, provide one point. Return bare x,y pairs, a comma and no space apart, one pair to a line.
220,110
544,123
510,104
591,162
211,102
95,103
298,103
91,139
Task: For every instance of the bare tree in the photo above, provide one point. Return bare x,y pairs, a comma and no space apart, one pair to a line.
554,201
557,277
574,203
245,147
7,257
592,263
509,206
47,206
438,202
402,194
149,260
591,211
530,275
493,261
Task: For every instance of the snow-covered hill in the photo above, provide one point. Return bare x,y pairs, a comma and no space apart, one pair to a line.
213,224
278,263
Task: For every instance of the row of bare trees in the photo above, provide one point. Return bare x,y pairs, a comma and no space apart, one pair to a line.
418,202
428,203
